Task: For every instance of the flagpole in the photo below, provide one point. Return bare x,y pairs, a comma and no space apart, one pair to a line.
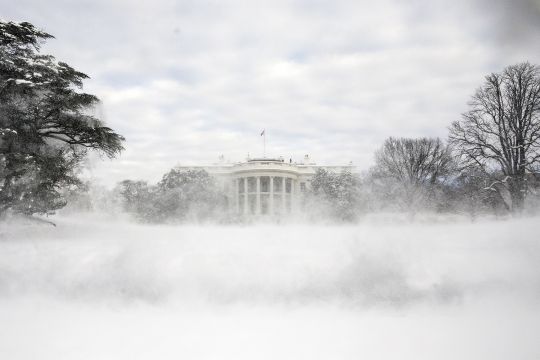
263,134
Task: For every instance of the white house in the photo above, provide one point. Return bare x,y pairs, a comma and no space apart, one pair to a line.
265,186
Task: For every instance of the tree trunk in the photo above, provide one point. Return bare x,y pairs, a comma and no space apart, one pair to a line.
516,187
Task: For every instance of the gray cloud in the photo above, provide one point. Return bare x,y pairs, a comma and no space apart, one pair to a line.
518,21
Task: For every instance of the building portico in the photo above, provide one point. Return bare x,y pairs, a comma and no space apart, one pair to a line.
265,186
257,194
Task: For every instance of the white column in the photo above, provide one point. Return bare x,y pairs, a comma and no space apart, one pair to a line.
258,205
293,195
246,195
283,195
271,204
237,195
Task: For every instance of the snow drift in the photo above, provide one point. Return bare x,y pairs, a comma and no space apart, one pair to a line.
341,291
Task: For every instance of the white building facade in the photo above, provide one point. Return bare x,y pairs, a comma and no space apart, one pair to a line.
265,186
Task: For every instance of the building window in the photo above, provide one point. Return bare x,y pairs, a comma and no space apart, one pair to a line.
252,184
265,184
241,185
278,183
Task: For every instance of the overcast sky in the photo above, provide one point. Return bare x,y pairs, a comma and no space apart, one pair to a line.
188,81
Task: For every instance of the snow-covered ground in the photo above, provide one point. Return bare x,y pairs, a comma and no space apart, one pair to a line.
94,289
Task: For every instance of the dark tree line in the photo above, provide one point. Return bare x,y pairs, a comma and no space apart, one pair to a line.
334,195
409,172
488,166
190,195
491,162
413,175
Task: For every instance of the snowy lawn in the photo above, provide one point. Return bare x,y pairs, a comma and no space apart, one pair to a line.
91,289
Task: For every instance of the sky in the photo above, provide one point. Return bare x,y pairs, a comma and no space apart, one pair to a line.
188,81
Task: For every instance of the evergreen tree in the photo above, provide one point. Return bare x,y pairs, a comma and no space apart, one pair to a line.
179,196
187,194
46,128
336,193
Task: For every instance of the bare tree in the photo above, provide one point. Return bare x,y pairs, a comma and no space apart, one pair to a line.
417,161
414,166
501,131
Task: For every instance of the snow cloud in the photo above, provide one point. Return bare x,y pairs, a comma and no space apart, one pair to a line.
187,81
